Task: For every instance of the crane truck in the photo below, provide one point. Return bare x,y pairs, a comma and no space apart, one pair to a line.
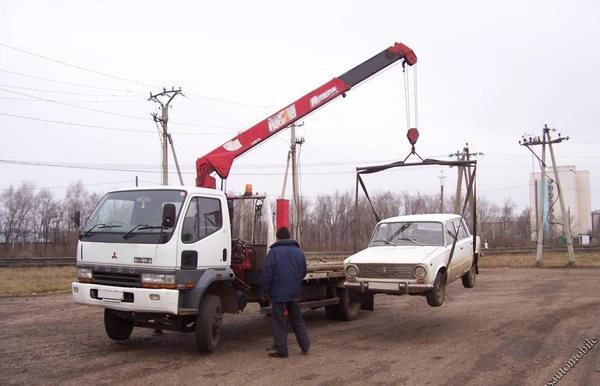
167,257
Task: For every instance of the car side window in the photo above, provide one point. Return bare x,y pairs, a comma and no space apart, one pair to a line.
203,218
464,226
450,232
462,230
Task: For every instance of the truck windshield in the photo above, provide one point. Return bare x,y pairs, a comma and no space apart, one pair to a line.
408,233
132,211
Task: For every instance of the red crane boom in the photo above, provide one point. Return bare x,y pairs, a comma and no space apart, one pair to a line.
220,159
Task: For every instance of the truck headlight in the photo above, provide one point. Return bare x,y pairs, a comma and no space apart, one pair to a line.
352,270
420,272
84,273
157,278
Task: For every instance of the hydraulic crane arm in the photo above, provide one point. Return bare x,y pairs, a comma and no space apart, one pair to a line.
221,159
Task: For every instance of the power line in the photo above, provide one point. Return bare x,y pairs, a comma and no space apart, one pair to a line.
69,83
97,126
68,186
71,93
226,101
69,101
123,79
77,107
75,66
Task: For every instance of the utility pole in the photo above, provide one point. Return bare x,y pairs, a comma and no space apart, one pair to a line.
441,177
163,120
546,139
462,156
295,187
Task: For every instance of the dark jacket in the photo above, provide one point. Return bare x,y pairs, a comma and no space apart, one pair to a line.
284,269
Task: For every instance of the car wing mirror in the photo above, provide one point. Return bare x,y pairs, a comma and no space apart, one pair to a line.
168,216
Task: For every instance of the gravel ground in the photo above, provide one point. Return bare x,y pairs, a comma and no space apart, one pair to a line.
517,326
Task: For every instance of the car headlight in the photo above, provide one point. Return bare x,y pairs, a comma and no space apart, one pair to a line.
420,272
157,278
352,270
84,273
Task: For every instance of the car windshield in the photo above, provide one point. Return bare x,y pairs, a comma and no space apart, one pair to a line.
404,233
133,211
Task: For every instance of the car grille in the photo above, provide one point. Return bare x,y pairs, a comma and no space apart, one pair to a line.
386,271
117,278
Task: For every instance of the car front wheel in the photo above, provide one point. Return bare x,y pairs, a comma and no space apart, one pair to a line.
436,295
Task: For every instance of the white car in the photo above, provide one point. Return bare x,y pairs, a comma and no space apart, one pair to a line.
410,255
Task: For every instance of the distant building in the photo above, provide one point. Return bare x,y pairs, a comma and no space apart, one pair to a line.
575,192
596,224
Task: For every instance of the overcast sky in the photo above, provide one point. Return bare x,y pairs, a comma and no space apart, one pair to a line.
487,73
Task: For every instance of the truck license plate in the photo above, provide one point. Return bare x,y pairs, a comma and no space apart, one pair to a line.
110,294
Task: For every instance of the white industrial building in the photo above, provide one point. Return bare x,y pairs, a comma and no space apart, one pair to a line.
576,194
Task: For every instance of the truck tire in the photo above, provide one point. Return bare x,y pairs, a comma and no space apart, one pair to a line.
437,295
346,309
208,323
468,279
116,327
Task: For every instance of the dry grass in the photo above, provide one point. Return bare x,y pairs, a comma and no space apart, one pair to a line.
549,260
28,281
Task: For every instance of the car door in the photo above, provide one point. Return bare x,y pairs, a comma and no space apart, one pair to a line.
458,257
464,247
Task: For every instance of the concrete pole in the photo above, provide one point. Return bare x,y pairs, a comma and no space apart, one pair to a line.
457,199
562,204
165,144
540,205
294,230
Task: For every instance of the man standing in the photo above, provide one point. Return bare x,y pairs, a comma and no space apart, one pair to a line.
284,270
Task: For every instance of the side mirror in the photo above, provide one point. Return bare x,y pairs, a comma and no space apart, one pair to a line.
168,216
77,219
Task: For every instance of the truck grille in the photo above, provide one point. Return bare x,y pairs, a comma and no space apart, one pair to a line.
386,271
117,278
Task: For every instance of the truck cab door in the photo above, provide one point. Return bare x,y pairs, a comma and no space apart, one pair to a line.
204,239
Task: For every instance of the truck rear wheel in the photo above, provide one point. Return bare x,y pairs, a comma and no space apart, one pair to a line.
117,328
346,309
208,323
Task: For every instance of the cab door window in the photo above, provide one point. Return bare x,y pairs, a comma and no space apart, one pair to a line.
203,218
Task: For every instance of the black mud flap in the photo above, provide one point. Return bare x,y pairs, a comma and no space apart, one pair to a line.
368,302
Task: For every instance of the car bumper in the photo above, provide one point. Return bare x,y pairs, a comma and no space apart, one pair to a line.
388,287
126,299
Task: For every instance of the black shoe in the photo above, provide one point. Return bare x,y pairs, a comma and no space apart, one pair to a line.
276,355
304,352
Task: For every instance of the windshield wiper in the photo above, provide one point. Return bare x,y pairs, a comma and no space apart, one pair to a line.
99,226
410,239
142,227
385,241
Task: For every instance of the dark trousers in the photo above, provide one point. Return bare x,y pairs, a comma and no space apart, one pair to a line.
279,328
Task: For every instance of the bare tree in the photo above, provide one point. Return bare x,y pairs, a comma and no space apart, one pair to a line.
524,226
506,215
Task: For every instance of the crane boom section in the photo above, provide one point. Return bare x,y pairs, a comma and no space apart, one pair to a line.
220,159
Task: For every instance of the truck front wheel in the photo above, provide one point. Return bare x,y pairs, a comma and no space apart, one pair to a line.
208,323
346,309
117,328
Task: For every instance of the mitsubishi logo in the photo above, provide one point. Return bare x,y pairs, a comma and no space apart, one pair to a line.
114,256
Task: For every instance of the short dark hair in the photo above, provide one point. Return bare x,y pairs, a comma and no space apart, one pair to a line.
283,233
